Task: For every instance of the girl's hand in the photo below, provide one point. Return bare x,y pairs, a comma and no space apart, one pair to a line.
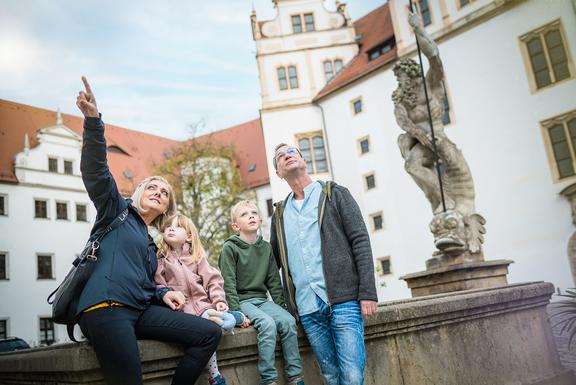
174,299
86,101
221,306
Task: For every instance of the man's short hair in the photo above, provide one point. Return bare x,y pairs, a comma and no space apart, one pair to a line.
242,204
276,149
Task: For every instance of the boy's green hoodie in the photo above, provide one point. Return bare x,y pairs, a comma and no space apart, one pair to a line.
249,271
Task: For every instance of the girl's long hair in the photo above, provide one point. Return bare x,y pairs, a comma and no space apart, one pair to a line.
196,249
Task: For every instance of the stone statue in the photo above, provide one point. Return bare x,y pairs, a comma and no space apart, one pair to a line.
458,231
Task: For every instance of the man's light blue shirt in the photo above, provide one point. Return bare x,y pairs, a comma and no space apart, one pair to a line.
304,249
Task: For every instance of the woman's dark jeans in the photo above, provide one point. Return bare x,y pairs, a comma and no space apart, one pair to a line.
113,332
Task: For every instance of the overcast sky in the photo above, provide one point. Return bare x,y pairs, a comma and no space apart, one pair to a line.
155,66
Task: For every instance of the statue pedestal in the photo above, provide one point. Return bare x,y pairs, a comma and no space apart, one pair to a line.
463,276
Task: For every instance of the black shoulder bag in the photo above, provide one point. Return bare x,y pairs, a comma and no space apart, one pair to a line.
64,299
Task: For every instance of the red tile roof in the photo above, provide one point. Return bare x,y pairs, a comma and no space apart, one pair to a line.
374,28
248,142
144,150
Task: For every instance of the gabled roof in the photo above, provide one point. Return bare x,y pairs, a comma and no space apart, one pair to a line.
375,28
135,153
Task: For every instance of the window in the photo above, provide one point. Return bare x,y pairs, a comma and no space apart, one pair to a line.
309,22
332,67
423,10
53,164
40,208
384,266
3,265
546,55
292,77
45,267
357,106
3,205
369,181
380,49
377,221
296,23
46,331
68,167
3,329
465,2
312,148
81,213
270,207
364,145
560,133
61,210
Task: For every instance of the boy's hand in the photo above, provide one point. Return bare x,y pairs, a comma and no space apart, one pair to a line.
246,322
221,306
174,299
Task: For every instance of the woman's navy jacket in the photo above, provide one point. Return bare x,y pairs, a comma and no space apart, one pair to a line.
126,262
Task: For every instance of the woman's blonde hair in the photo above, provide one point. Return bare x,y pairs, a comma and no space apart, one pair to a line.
193,238
158,222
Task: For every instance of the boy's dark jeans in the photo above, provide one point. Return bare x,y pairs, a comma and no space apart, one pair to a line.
113,332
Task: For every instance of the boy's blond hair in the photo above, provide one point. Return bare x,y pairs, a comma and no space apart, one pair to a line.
241,204
196,249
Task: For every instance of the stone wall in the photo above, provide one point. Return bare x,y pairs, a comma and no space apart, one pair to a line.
481,337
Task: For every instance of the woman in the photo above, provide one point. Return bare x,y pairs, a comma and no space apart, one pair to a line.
116,306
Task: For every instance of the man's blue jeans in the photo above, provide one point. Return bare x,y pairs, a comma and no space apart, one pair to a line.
336,334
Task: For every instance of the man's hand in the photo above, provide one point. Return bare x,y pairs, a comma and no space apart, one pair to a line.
368,307
221,306
86,101
174,299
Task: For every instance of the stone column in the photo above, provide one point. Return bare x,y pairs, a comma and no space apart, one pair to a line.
570,194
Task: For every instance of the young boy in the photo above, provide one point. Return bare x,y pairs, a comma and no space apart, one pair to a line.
249,272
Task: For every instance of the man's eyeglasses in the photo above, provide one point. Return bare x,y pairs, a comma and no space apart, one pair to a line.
292,151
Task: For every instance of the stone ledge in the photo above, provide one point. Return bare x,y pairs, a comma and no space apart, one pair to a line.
476,337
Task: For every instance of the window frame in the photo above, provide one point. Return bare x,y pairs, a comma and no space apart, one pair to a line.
71,162
540,32
545,125
6,266
365,181
43,332
311,14
56,204
353,105
333,69
292,18
379,268
360,149
52,275
6,327
287,78
78,204
310,137
55,159
47,205
373,224
4,205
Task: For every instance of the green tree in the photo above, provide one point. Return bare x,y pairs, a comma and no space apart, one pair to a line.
207,183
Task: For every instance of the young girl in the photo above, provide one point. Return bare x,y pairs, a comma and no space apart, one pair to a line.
182,266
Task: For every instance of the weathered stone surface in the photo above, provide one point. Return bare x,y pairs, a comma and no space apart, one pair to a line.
497,336
465,276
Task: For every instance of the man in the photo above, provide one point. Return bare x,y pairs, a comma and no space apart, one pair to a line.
320,240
